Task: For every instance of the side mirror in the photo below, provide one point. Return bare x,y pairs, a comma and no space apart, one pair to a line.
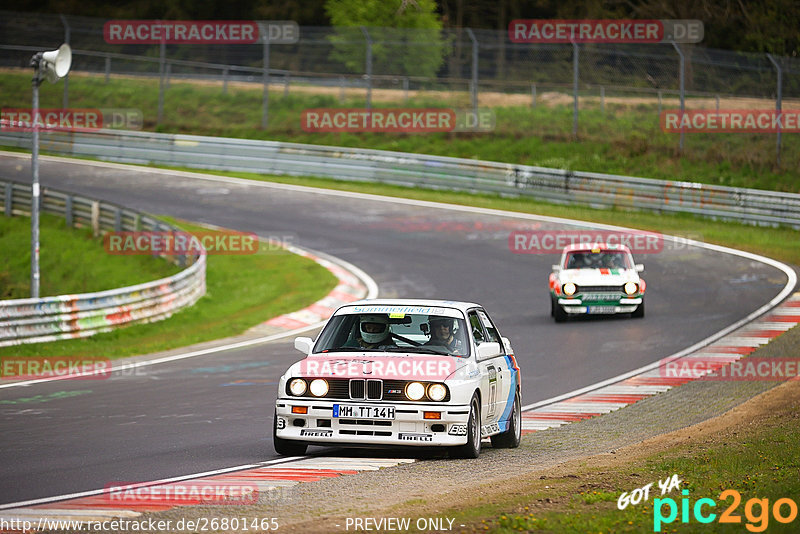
639,267
555,267
507,345
304,344
488,350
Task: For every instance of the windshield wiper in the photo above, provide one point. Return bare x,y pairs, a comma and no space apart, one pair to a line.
421,350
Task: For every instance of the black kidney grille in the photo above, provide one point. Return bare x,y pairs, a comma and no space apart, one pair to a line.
357,388
374,389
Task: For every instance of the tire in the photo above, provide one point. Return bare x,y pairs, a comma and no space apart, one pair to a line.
638,313
559,314
510,438
472,448
552,307
286,447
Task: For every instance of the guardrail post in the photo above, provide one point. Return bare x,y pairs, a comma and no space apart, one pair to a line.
117,220
108,68
137,222
68,215
225,81
778,106
368,74
161,70
533,95
95,218
9,199
575,60
682,81
473,87
65,22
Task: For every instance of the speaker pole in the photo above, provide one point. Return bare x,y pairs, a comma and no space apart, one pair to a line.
37,80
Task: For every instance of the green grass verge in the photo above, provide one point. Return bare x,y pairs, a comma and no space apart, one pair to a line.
758,459
242,291
70,261
622,139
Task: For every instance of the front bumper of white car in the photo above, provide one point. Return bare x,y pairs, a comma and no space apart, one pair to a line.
577,306
408,425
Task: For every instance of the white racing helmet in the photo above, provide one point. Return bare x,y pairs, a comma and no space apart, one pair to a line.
378,336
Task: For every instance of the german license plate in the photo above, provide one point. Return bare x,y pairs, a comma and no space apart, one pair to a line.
352,411
602,309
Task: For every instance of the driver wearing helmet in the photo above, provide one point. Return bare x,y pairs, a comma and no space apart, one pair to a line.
442,334
373,332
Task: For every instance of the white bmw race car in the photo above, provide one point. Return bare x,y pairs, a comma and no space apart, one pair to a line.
596,278
398,373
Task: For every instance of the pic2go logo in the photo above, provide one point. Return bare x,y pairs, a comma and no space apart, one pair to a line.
756,511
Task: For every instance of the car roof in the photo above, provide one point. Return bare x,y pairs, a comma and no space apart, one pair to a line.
459,305
589,246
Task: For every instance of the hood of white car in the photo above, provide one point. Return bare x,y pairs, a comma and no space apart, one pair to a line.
598,277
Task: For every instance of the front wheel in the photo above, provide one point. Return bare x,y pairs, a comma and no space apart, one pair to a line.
638,313
510,438
472,448
286,447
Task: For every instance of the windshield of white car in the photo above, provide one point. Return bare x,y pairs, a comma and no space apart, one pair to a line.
605,259
393,333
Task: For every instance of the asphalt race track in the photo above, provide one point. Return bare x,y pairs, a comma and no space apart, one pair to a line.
215,411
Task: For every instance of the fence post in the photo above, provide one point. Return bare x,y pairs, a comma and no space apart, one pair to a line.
368,74
575,60
603,100
778,107
682,82
167,74
474,83
533,95
265,76
341,89
286,84
225,80
659,103
65,22
108,68
161,71
405,89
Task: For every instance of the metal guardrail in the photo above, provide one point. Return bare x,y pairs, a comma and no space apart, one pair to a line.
436,172
37,320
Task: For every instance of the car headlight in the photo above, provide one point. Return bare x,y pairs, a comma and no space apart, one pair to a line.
319,387
297,386
569,289
437,392
630,288
415,391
